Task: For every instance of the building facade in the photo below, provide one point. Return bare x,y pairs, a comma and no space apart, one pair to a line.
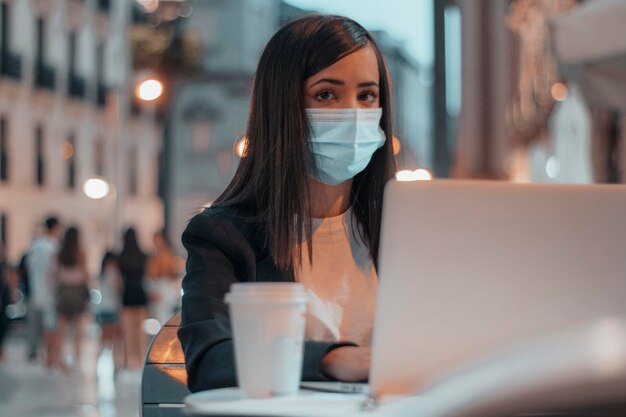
208,114
65,117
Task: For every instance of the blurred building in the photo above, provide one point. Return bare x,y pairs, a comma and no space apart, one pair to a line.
66,116
207,114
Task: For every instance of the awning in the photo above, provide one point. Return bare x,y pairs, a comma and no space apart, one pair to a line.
590,45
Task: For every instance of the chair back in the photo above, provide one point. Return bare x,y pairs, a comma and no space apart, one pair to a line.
164,379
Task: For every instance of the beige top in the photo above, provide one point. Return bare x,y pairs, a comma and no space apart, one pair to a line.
342,283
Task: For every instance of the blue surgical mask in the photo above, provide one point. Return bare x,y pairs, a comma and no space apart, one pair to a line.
342,142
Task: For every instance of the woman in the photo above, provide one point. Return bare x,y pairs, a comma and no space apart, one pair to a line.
107,314
163,273
305,204
132,263
71,279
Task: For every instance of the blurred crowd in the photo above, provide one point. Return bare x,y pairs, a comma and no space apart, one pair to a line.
132,290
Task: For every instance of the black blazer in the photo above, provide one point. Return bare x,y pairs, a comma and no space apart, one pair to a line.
225,246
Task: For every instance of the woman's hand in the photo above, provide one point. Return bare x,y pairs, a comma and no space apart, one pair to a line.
347,363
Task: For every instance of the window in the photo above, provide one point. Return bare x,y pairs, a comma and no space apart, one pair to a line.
71,163
98,157
3,230
71,56
100,87
76,84
100,62
39,157
132,171
4,29
4,151
41,46
104,5
44,73
10,63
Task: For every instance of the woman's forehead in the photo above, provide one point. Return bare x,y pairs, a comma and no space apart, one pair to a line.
361,66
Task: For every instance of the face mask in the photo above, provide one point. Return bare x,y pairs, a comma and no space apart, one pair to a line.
342,142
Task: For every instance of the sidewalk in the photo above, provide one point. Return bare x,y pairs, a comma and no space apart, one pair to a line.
29,390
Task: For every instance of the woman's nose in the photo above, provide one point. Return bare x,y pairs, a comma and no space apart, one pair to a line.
352,103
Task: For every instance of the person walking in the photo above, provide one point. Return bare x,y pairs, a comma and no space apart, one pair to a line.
22,277
41,315
164,280
108,311
71,279
132,263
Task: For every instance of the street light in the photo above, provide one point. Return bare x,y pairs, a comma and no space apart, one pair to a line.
149,90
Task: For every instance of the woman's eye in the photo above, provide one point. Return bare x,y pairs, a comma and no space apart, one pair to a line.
325,96
368,97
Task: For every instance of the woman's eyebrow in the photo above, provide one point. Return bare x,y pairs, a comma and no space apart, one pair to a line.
328,80
339,82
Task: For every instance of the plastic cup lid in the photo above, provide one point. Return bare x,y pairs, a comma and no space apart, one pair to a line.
267,291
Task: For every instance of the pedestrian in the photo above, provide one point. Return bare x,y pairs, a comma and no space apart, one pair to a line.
108,310
164,280
71,278
41,314
22,277
132,262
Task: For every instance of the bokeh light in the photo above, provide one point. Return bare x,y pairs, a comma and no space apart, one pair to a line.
553,167
419,174
96,188
241,147
151,326
149,90
559,92
67,151
397,146
150,6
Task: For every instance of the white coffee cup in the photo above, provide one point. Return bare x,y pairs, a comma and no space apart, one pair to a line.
267,320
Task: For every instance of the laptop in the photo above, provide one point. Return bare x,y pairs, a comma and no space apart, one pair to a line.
469,269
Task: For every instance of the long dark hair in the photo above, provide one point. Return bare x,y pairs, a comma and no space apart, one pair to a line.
131,254
272,179
108,257
70,252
